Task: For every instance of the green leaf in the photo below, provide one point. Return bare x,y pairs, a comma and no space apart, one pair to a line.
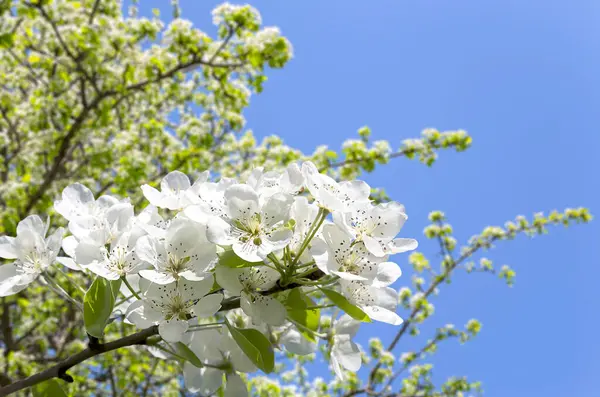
6,40
297,304
186,353
341,302
296,300
230,259
98,304
49,388
255,345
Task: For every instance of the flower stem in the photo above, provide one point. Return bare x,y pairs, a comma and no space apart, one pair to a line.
60,290
200,327
71,281
314,228
129,287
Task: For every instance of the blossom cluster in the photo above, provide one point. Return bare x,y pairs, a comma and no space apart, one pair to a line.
250,253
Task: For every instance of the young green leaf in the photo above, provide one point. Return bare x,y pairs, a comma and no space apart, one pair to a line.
98,304
186,353
230,259
255,345
297,304
340,301
49,388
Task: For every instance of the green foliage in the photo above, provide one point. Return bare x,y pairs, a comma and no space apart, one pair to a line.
78,74
255,345
181,350
49,388
98,305
340,301
230,259
300,309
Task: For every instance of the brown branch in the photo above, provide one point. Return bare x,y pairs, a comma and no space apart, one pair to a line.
60,370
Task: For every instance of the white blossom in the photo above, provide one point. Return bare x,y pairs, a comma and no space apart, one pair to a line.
248,284
184,252
171,305
377,226
253,230
33,253
344,352
224,356
176,191
378,303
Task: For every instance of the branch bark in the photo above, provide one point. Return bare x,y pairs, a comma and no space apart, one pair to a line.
60,370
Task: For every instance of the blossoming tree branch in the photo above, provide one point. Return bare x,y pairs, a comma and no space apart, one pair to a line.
147,256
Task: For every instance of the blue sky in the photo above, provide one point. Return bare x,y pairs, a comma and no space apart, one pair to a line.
523,78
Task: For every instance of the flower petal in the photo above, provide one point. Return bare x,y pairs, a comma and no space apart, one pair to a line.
172,330
235,386
208,306
10,280
7,247
400,245
157,277
387,273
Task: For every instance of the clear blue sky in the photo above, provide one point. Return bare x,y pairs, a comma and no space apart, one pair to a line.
523,78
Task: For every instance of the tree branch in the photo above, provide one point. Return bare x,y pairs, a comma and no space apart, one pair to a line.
60,370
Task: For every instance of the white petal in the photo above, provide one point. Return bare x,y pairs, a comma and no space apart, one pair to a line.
295,343
193,290
382,314
101,270
354,192
157,277
202,178
276,209
278,239
337,368
7,247
151,251
346,353
323,188
54,241
142,315
69,244
400,245
208,306
249,251
235,386
218,231
172,330
32,223
387,298
374,246
76,200
266,308
320,253
228,279
174,182
349,276
205,381
153,196
387,219
197,213
292,179
86,253
69,263
242,201
10,280
119,217
387,273
346,325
